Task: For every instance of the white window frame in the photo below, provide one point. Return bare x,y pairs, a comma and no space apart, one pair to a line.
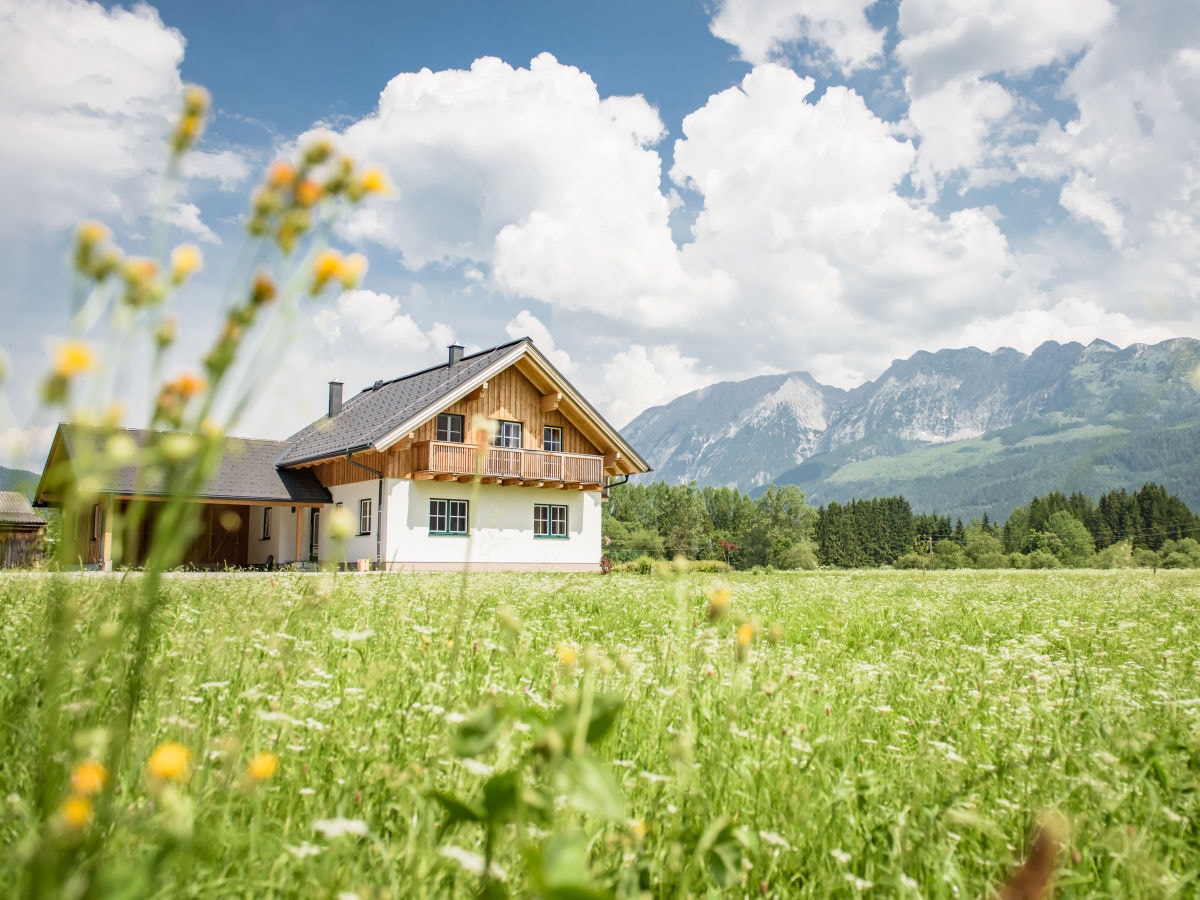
550,521
364,516
508,435
449,424
451,518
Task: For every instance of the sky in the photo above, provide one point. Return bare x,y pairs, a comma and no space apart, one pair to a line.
662,195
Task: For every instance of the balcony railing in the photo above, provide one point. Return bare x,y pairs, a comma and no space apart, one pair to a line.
440,458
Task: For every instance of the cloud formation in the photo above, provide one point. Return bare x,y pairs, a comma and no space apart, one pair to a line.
89,96
767,30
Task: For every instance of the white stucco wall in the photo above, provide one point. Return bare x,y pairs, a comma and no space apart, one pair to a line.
500,528
358,546
281,545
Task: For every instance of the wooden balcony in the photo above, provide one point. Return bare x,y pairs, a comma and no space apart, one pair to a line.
533,468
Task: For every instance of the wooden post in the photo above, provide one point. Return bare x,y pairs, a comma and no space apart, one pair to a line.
106,562
299,520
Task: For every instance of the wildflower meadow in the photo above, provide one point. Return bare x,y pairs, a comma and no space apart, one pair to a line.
670,734
787,734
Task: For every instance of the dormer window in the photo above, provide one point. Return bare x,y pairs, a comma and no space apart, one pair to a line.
450,428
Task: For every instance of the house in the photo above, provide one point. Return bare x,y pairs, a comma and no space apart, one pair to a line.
488,461
20,531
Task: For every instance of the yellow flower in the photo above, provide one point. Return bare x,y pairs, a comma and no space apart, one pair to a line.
375,182
342,524
76,811
170,761
328,265
308,192
91,233
263,766
186,385
281,174
745,634
88,777
263,290
195,100
185,261
567,655
318,151
73,358
718,603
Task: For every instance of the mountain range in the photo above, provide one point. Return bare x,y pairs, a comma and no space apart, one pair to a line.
959,432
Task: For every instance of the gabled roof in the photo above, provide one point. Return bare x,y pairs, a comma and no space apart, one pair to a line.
15,512
386,412
247,471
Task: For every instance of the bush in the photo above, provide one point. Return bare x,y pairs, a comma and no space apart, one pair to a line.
1043,559
799,556
914,561
1145,558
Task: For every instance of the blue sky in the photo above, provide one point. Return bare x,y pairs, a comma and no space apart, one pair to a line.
662,195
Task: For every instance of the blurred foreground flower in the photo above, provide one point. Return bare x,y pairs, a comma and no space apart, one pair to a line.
88,777
263,766
170,761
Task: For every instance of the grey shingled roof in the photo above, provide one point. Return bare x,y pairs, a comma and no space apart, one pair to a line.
15,511
372,413
247,471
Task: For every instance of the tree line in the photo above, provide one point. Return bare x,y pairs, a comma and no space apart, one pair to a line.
778,529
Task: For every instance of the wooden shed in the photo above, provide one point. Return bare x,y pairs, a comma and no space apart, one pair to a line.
20,531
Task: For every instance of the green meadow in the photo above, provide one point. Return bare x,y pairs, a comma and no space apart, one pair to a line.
782,735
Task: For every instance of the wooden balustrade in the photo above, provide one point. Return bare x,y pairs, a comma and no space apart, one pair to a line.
434,459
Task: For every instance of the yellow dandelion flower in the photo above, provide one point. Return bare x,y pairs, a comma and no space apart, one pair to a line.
745,634
139,268
73,358
263,766
170,761
567,655
281,174
196,100
185,261
718,603
88,777
91,233
186,385
374,181
328,265
307,192
76,812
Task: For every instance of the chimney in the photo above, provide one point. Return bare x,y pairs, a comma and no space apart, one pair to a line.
335,398
456,351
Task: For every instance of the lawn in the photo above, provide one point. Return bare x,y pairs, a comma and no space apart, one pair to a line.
783,735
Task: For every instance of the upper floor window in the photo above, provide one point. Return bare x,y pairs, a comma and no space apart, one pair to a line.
364,516
508,435
450,427
552,438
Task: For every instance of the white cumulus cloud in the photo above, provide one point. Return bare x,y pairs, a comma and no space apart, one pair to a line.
764,30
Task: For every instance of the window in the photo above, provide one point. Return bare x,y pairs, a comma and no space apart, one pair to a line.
364,516
447,516
549,520
450,427
552,438
95,528
508,435
266,529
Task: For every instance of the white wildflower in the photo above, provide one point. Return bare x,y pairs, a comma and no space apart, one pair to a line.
335,828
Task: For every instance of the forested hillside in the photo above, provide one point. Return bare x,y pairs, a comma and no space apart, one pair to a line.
779,529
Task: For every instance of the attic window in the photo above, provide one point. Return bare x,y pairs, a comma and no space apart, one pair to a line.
552,438
450,428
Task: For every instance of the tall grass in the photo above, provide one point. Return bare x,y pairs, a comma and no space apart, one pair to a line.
886,733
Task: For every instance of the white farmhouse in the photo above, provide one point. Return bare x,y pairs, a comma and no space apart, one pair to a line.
489,461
